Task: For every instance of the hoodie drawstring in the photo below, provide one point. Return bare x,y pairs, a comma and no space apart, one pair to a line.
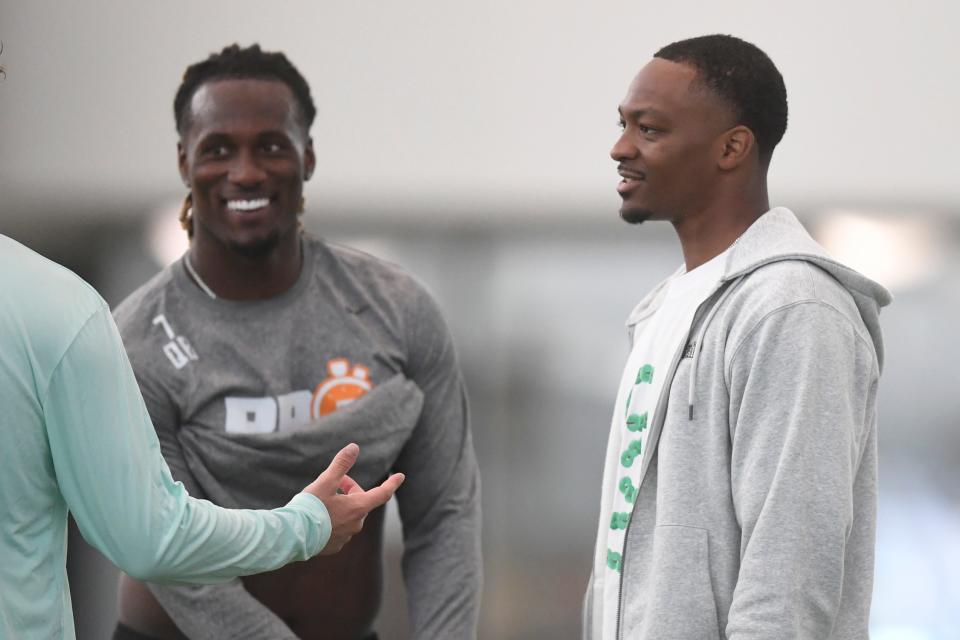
698,344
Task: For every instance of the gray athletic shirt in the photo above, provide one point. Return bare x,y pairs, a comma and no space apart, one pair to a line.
251,398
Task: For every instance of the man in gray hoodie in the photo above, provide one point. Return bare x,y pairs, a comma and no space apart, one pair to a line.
739,494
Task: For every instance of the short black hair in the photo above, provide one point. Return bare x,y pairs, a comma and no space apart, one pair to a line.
236,63
744,76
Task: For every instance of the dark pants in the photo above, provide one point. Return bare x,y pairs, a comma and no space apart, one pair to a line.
123,632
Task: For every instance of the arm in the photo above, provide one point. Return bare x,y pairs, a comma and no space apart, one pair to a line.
225,610
802,388
440,501
108,466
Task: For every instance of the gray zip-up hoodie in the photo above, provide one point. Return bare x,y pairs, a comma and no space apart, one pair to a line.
756,512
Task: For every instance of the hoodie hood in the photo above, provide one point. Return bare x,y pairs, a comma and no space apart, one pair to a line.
774,236
778,235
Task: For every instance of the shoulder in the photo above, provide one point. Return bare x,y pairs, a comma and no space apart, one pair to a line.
137,317
372,270
785,283
372,284
42,301
369,281
145,302
42,284
791,289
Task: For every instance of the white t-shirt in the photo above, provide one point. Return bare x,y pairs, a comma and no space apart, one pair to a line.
655,343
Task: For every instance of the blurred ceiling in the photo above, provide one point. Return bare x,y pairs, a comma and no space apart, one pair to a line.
449,108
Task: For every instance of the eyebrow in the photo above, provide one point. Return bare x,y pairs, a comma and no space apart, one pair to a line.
633,114
214,134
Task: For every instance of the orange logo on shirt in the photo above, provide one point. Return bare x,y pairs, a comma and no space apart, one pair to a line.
343,385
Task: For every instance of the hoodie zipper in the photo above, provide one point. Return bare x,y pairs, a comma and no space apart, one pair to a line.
658,418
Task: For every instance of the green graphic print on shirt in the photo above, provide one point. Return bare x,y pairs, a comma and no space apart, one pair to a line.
634,438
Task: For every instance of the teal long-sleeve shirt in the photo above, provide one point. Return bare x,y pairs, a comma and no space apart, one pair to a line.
76,437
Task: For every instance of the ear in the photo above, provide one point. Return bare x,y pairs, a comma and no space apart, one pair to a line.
182,164
309,159
737,146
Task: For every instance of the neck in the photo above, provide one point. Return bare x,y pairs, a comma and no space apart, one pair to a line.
706,234
233,275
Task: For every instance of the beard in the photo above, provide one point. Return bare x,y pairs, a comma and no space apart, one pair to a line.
634,215
258,248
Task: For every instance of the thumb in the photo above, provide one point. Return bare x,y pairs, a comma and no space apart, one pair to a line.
378,496
331,478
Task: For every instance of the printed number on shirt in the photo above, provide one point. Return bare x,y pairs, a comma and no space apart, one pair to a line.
344,384
179,350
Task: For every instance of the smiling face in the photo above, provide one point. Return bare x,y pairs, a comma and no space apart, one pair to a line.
671,143
245,155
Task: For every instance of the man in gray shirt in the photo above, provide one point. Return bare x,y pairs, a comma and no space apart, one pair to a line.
264,350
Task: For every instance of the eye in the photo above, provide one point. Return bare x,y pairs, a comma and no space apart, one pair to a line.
621,125
272,147
645,129
216,151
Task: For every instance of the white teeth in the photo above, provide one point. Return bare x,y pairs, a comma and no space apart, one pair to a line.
247,205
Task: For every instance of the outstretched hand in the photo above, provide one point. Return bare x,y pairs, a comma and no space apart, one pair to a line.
346,501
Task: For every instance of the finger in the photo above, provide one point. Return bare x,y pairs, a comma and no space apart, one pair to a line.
341,464
381,495
348,485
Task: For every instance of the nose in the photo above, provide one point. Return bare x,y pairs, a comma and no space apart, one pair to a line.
245,172
623,149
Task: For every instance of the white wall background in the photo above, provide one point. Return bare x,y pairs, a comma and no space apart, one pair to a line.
429,105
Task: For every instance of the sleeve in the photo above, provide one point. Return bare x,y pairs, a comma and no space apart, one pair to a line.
126,504
218,611
214,611
439,501
802,396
